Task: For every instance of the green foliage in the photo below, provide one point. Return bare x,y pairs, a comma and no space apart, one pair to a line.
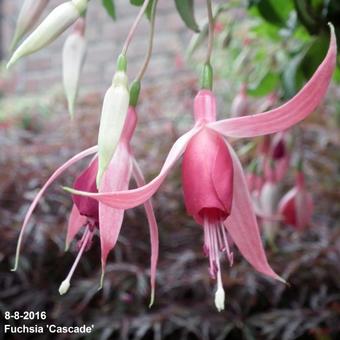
296,20
185,9
265,85
110,8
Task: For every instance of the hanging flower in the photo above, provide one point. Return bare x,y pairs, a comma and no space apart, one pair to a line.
215,188
87,213
74,52
53,25
296,206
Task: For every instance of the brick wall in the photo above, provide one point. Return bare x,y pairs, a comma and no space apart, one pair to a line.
41,72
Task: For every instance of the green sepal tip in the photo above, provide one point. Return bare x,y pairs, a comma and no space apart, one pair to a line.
121,63
207,77
134,93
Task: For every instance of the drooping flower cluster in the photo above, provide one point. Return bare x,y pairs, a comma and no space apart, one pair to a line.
215,188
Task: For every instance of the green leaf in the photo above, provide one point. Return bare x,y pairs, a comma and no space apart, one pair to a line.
275,12
185,9
137,2
315,55
292,77
148,11
110,8
266,85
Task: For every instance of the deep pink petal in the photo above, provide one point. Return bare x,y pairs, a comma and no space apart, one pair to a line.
139,178
289,114
54,176
75,222
86,181
115,178
131,198
242,225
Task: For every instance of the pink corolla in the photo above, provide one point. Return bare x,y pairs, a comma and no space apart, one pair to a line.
296,206
214,186
90,215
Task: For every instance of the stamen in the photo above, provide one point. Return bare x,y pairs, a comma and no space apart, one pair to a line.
65,285
230,254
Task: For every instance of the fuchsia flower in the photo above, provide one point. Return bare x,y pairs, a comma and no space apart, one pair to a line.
87,213
214,186
296,206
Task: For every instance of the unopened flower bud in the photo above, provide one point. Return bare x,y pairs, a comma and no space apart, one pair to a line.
270,196
28,16
240,104
296,206
114,111
74,52
53,25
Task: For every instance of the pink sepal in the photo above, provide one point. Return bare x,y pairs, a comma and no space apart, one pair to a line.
242,225
154,239
132,198
115,178
54,176
289,114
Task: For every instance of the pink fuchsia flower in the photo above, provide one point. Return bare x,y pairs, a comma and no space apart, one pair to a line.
215,188
87,213
296,206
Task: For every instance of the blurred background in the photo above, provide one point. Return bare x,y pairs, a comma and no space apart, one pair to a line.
264,51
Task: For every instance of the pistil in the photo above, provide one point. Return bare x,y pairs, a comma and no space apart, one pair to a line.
65,285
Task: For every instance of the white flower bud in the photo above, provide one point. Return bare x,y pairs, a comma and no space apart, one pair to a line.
114,111
74,52
53,25
28,16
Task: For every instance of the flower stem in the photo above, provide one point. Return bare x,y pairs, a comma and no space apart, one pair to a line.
134,26
211,32
150,45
